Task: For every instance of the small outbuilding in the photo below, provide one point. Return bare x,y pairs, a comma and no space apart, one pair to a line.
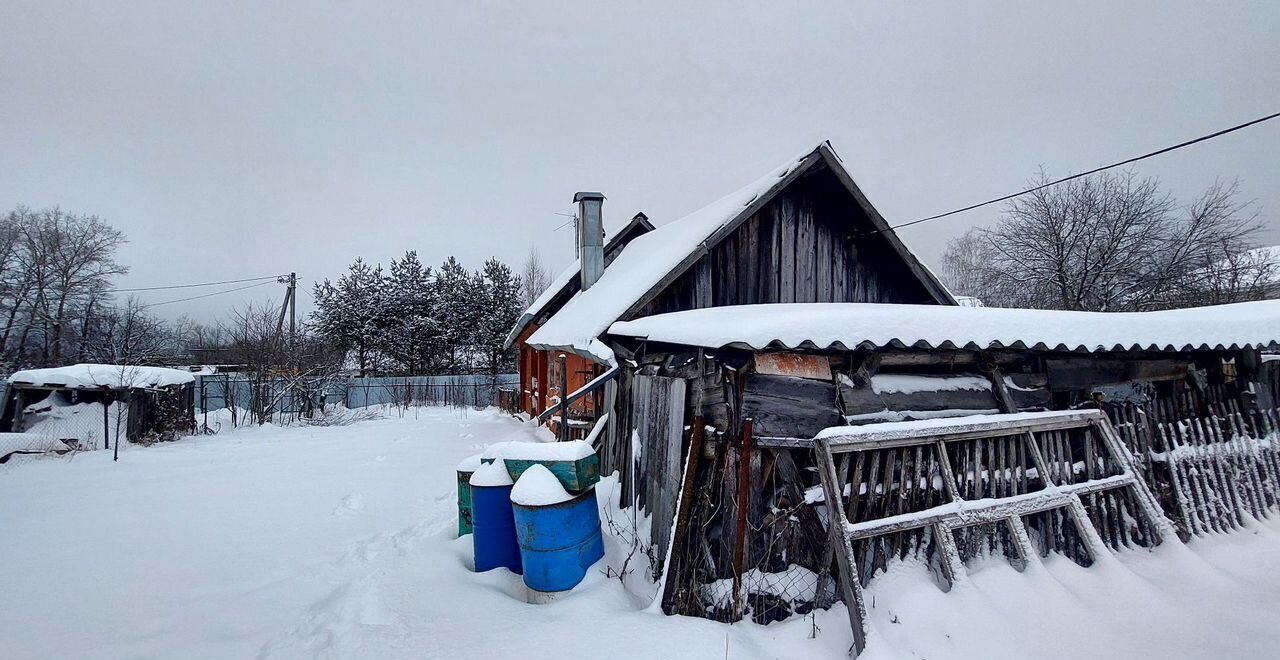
66,403
705,359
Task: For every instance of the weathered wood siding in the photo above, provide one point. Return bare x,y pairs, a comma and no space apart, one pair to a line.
812,243
789,406
658,406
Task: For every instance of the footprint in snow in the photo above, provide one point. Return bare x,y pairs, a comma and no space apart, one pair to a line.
332,623
349,505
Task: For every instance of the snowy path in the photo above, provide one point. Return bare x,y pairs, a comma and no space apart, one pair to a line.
338,543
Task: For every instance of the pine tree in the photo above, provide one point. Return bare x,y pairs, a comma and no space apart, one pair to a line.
457,312
408,316
347,313
502,306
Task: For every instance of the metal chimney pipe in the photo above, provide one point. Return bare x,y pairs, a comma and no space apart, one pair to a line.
590,237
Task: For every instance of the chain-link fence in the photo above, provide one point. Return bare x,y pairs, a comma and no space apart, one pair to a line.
755,542
60,425
43,421
233,399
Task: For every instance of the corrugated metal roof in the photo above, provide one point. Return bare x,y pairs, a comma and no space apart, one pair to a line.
850,326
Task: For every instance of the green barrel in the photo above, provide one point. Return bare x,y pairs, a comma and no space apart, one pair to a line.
465,469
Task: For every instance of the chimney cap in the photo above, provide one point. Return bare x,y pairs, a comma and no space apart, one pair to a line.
587,195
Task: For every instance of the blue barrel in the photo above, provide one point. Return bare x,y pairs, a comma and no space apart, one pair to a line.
493,529
559,542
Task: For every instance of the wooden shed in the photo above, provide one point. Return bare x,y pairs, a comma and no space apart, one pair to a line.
158,403
723,344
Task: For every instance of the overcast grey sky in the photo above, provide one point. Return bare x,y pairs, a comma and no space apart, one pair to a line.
234,140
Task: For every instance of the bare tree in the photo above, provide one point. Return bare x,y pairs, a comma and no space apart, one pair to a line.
55,272
1109,242
130,336
534,278
77,262
967,266
276,368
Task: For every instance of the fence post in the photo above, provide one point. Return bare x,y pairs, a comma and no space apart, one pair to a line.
116,456
744,504
106,423
204,404
106,415
564,398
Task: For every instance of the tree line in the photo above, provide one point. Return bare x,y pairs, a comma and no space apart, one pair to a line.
56,302
411,319
1115,241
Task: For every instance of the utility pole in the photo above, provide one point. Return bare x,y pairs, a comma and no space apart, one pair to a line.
293,305
289,305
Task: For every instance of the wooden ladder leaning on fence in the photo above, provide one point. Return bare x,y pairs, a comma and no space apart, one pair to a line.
943,489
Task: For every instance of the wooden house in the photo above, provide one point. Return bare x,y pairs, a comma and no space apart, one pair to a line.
723,344
802,233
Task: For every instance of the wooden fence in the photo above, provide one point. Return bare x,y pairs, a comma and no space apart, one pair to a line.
1210,463
749,532
1018,485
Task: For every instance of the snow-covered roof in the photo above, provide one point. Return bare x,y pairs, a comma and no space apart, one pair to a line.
564,281
878,325
85,376
647,260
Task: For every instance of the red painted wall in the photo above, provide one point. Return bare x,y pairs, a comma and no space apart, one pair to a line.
537,389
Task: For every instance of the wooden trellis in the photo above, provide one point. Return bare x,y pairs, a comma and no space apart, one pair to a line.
1023,485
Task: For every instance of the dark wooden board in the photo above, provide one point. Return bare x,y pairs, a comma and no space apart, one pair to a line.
789,406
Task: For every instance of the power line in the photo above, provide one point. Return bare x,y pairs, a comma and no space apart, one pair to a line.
193,286
1064,179
207,295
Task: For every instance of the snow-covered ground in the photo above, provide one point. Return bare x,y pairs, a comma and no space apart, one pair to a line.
339,542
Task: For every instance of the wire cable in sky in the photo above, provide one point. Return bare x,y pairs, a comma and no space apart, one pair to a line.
206,295
193,286
1064,179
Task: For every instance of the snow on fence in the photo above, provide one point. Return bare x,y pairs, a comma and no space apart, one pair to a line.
943,494
947,493
52,426
291,398
1210,463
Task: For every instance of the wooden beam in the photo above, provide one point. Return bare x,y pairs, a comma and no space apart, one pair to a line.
744,505
991,426
684,508
816,367
964,514
1003,399
595,384
850,585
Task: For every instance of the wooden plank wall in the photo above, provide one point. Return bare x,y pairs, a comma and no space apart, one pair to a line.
658,406
789,406
801,247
